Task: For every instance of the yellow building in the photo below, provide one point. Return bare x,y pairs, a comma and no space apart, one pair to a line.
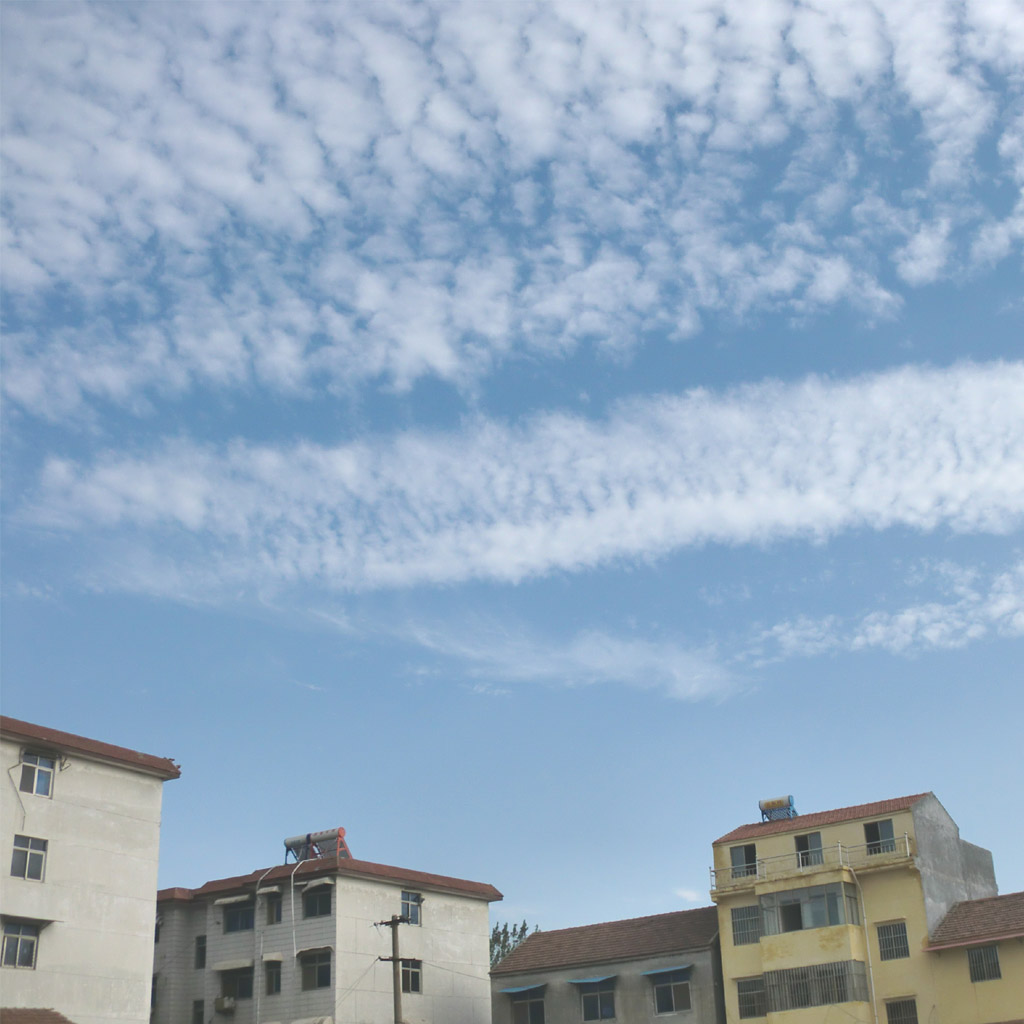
838,915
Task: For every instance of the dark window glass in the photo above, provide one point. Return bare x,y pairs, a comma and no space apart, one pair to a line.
238,917
274,909
200,955
528,1009
237,983
598,1001
19,946
411,906
879,836
36,774
317,902
744,860
198,1011
29,858
412,976
808,849
671,992
272,970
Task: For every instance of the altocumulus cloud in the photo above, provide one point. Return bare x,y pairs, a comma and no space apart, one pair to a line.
289,196
915,447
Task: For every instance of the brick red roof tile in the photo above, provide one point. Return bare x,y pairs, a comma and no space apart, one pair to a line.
633,939
31,1015
68,742
985,920
819,818
330,866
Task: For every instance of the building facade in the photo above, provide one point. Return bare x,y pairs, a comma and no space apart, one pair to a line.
842,908
303,942
647,969
81,828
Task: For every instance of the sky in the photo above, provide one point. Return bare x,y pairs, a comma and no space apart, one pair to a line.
525,435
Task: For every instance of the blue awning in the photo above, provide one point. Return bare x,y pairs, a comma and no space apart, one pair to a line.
668,970
522,988
588,981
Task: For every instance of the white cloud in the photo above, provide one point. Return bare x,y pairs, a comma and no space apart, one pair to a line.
915,448
329,196
974,609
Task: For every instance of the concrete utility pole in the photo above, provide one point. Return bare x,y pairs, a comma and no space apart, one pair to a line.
396,963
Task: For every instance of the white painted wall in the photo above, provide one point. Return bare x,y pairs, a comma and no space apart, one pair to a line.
102,826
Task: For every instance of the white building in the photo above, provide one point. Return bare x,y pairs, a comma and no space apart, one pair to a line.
302,942
80,823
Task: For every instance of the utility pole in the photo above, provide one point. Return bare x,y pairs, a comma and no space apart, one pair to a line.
396,962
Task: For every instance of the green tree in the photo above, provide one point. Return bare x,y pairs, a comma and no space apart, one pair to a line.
504,939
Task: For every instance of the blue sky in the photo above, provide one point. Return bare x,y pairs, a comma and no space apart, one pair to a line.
524,434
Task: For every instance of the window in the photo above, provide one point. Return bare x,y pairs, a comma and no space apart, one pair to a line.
29,858
198,1011
199,960
412,975
892,941
818,985
598,1000
156,930
237,983
528,1007
750,992
901,1011
808,849
274,908
671,992
238,918
20,941
317,902
984,963
744,860
817,906
879,836
411,906
152,993
37,774
746,925
272,976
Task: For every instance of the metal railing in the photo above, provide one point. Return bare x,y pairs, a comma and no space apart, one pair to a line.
879,852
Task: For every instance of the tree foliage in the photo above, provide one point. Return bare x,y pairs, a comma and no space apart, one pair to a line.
505,938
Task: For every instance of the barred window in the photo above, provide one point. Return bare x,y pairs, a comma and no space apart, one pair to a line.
818,985
984,963
751,998
746,925
901,1011
892,941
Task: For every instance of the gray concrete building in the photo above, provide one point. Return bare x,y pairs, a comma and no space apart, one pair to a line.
301,943
664,968
80,826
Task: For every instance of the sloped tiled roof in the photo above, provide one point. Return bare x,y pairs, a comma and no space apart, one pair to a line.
31,1015
68,742
614,940
332,866
985,920
819,818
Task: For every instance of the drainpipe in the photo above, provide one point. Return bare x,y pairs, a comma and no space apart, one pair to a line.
257,955
867,943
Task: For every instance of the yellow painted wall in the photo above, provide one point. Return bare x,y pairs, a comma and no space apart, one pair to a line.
961,1001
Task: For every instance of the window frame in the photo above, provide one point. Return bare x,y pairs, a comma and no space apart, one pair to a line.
881,843
31,768
412,977
810,855
747,868
983,963
893,945
240,917
199,953
525,1006
751,997
672,982
32,851
198,1011
412,904
744,935
275,905
596,999
240,981
901,1011
313,901
16,935
272,977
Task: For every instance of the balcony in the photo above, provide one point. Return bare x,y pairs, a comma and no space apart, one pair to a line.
878,854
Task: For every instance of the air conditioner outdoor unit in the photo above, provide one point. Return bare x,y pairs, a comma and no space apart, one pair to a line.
224,1004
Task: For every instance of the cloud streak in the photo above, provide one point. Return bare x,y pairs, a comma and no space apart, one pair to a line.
296,197
913,448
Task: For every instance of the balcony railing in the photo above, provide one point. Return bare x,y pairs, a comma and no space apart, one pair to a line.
874,854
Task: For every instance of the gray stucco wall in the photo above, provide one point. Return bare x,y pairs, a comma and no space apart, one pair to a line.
634,993
951,869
